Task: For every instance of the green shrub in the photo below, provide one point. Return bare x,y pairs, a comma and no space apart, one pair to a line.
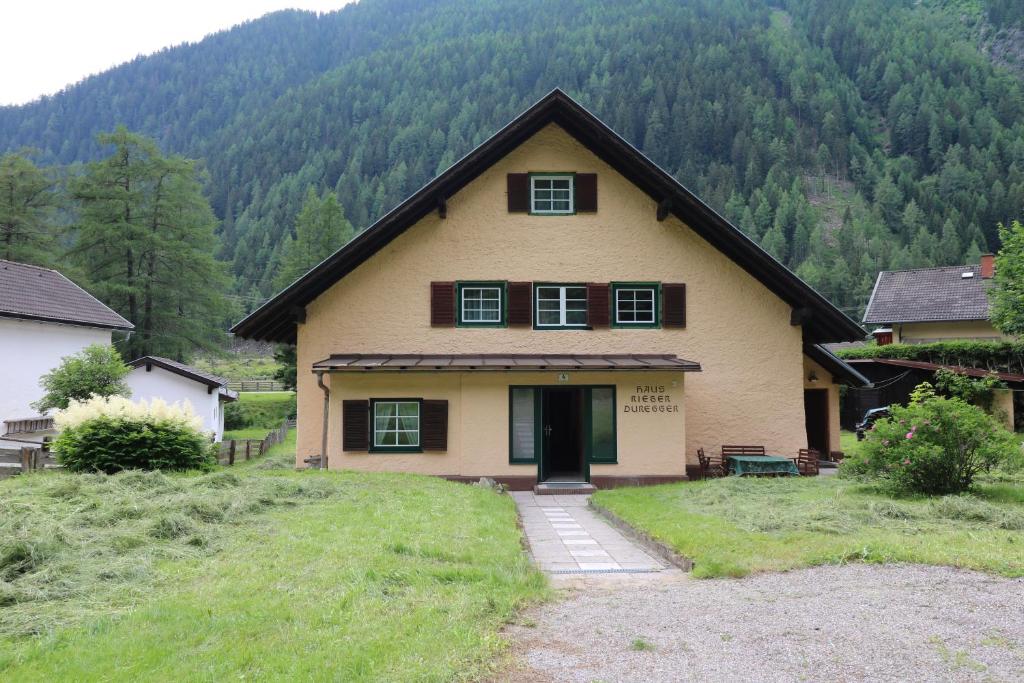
113,434
934,446
236,416
96,370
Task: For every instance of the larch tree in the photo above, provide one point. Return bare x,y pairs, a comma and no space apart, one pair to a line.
1007,293
146,241
27,203
320,230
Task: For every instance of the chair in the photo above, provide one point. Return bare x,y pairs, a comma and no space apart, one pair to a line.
742,451
710,466
807,461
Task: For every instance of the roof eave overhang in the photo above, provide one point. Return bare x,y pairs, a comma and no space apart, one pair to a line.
842,371
127,327
276,319
156,362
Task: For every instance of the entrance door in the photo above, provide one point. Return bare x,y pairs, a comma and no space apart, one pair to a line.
562,425
816,415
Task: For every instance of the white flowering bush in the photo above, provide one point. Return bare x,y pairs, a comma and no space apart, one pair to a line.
110,434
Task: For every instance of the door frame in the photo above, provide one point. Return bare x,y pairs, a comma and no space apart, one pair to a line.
581,438
822,396
585,426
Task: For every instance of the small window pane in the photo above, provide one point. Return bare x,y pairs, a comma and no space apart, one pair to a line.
396,423
481,304
551,194
522,424
602,424
635,305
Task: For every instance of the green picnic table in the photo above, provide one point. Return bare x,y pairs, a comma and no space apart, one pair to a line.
761,464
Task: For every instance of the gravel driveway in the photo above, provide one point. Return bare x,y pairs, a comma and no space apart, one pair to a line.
850,623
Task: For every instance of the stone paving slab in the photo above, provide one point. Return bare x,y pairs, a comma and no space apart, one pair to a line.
565,535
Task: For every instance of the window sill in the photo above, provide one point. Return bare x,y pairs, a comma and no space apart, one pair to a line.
397,449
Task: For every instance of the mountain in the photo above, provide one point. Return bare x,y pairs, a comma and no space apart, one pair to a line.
847,136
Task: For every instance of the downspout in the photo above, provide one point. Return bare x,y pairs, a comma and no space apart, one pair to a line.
327,411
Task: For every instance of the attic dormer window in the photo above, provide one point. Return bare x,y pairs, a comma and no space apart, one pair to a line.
551,194
966,276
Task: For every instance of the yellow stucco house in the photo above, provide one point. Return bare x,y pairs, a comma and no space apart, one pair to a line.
555,308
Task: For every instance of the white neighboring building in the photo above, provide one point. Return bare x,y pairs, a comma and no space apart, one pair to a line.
154,377
44,317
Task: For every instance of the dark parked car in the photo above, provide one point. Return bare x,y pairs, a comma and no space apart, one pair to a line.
870,416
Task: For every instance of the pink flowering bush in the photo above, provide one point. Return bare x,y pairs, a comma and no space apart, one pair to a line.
934,446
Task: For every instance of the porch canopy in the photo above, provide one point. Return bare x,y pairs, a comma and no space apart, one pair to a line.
358,362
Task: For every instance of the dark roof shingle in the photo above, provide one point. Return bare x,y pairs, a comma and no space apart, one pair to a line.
928,295
34,293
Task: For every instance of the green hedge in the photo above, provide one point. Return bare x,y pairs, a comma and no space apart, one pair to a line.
999,356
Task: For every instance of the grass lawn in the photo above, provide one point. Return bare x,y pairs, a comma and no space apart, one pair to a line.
734,526
256,572
247,433
265,396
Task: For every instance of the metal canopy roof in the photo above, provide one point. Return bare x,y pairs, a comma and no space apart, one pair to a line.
358,362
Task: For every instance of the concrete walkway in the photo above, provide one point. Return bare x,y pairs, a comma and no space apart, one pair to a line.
566,536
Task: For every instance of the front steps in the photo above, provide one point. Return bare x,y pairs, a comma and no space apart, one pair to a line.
564,488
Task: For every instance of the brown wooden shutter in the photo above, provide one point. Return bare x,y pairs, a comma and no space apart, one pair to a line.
442,304
598,305
520,303
434,427
519,193
673,305
586,192
355,425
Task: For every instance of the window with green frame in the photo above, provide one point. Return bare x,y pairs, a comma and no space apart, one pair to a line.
482,304
524,416
559,306
600,424
396,425
552,194
636,304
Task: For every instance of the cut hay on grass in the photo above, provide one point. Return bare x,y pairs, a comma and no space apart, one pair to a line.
257,572
734,526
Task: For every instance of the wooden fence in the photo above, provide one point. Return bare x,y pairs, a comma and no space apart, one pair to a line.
17,460
256,385
246,449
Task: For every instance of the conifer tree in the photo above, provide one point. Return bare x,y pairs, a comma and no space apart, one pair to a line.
320,229
146,242
27,203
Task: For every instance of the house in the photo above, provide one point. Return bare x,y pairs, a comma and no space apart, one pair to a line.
933,304
44,317
154,377
555,308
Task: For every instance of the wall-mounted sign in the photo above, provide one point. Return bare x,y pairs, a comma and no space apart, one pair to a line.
650,398
563,377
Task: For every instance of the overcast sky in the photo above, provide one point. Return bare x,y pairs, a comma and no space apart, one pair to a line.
46,45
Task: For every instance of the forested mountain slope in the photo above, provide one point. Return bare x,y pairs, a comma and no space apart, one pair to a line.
846,135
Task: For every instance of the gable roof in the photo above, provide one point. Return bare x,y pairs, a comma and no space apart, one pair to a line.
276,319
187,371
35,293
928,295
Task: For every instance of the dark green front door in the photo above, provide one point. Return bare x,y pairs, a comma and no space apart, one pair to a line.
563,449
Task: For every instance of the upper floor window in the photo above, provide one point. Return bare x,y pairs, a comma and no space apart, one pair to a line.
560,306
551,194
481,303
635,305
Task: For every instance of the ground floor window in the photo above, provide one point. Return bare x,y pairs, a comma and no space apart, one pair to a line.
396,424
